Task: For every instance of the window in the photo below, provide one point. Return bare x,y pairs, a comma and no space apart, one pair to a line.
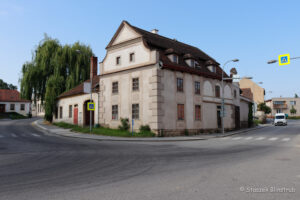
217,91
56,113
135,84
115,88
197,87
179,85
12,106
22,106
118,60
70,111
135,111
293,103
175,58
114,112
197,112
279,102
192,63
131,57
234,93
278,110
180,112
60,112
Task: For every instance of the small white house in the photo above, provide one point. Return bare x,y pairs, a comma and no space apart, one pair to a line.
10,101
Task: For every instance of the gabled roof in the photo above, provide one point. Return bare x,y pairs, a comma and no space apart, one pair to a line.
79,88
166,46
11,96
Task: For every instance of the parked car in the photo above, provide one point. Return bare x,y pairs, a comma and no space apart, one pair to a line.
280,119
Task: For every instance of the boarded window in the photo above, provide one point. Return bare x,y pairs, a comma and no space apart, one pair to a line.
114,112
197,87
115,87
70,111
217,91
22,106
197,112
135,111
135,84
180,111
179,85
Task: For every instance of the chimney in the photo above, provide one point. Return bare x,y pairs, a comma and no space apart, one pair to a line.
155,31
94,67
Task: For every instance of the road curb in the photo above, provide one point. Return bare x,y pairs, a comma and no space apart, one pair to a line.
89,136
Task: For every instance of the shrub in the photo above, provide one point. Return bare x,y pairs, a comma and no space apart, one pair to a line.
264,107
186,132
144,128
124,124
97,126
250,115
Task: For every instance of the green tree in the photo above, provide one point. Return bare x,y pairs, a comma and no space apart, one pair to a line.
296,95
293,110
264,107
68,65
4,85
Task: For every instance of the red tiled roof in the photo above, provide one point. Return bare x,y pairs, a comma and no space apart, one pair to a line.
246,92
11,96
79,88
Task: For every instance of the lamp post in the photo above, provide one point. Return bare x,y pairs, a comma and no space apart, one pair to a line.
91,82
274,61
222,107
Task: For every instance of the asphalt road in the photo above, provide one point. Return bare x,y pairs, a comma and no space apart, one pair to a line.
261,164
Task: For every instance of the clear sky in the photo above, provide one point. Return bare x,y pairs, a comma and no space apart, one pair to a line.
253,31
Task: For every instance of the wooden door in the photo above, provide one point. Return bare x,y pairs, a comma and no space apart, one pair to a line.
75,119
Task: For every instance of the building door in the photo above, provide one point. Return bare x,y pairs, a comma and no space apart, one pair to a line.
75,119
237,117
2,108
87,114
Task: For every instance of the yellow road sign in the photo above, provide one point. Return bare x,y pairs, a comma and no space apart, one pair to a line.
284,59
91,106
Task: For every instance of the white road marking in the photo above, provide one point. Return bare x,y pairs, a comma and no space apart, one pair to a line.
260,138
248,138
286,139
237,138
13,135
273,139
35,135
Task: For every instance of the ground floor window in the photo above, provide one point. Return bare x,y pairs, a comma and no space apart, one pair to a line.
12,106
197,112
180,111
70,111
114,112
278,110
60,112
135,111
22,106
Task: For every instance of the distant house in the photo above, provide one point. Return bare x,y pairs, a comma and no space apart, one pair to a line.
10,101
284,105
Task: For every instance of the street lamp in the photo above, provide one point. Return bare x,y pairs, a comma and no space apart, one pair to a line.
274,61
222,107
91,82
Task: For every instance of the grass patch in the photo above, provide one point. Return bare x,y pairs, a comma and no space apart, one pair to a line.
257,121
293,117
12,115
104,131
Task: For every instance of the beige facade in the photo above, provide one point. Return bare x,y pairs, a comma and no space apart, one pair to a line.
257,91
284,105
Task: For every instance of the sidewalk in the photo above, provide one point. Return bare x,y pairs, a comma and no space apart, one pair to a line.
68,133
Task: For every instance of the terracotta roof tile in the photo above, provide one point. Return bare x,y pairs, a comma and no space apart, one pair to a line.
246,92
11,96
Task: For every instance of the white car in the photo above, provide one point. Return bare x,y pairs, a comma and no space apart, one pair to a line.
280,119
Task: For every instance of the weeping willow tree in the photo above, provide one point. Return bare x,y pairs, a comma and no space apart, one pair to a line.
54,68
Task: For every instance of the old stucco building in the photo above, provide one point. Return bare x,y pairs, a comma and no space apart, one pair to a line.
153,80
284,105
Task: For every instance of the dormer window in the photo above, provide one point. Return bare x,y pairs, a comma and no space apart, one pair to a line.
212,68
192,63
173,58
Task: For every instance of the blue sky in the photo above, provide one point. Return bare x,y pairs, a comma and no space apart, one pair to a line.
253,31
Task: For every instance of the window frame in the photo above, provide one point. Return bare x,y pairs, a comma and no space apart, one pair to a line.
217,91
22,106
132,57
197,90
12,106
115,112
60,112
118,60
135,111
70,111
134,86
115,89
179,84
180,112
197,114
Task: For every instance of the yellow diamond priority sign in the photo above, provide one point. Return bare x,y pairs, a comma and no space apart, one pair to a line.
91,106
284,59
